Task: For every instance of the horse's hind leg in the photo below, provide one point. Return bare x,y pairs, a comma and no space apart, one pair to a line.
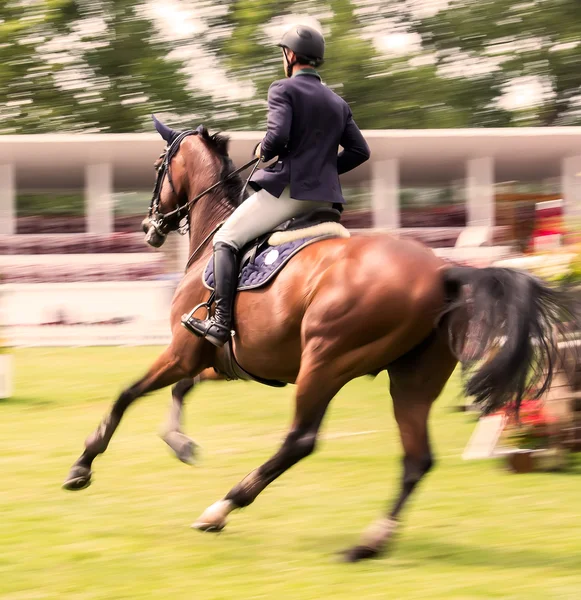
165,371
416,380
173,436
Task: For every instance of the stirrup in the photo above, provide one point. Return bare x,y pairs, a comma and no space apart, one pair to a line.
196,308
209,329
202,327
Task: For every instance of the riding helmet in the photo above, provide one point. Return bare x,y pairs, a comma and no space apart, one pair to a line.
306,42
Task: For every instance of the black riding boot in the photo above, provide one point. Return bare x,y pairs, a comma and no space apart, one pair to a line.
217,329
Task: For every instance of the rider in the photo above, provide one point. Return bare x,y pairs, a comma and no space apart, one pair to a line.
307,123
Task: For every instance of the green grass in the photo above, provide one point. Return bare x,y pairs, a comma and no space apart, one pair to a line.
472,531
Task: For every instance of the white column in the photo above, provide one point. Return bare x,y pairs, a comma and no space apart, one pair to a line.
571,186
7,199
99,198
385,193
480,192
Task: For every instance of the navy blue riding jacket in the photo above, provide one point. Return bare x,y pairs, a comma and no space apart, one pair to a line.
307,123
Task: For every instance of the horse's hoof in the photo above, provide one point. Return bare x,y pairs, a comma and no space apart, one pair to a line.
183,447
358,553
79,478
214,517
209,527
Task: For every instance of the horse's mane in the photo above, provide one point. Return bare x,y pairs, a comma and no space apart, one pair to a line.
218,144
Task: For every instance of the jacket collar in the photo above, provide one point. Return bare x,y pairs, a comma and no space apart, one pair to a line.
308,72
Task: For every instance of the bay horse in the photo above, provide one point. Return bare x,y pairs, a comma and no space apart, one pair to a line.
340,309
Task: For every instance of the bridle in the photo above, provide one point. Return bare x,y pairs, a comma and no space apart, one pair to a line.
160,222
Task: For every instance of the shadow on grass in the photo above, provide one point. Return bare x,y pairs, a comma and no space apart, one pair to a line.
27,402
458,554
420,551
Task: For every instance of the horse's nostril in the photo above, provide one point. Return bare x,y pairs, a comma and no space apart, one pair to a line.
154,238
145,225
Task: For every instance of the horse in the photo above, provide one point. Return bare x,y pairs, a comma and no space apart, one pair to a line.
340,309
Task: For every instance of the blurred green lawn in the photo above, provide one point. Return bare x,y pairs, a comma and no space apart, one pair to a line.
472,530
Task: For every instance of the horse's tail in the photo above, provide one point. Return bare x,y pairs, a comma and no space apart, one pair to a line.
503,327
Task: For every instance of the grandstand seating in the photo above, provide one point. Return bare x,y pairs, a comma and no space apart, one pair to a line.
82,257
59,258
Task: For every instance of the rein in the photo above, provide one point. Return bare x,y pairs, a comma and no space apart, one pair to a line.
191,202
158,220
202,244
207,238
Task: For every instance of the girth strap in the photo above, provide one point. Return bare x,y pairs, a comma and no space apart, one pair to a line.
233,370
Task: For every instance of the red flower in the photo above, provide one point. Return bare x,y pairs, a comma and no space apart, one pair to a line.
532,414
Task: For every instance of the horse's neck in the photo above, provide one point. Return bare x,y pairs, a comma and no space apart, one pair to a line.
207,213
205,218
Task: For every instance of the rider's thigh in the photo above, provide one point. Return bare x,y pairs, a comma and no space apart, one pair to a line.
259,214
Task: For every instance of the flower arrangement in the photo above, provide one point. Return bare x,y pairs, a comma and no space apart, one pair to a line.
532,431
561,266
572,276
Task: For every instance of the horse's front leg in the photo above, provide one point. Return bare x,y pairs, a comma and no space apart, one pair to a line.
317,384
167,369
183,446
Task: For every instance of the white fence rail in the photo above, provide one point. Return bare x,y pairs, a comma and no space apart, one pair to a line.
84,313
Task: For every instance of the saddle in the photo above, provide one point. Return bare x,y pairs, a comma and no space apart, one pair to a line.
263,258
321,216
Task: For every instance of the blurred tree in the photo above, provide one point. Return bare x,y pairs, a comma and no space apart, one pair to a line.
248,55
532,46
103,65
30,100
86,65
125,68
383,93
407,91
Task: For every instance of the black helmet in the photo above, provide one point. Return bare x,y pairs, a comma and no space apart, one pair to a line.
307,43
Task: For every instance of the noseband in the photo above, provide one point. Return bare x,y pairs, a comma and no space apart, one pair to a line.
160,221
157,219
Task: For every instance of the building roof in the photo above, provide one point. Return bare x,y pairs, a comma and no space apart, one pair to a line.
426,156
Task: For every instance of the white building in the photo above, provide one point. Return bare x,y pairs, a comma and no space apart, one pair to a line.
100,167
105,164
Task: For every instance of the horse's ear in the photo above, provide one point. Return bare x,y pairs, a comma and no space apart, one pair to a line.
200,130
167,133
